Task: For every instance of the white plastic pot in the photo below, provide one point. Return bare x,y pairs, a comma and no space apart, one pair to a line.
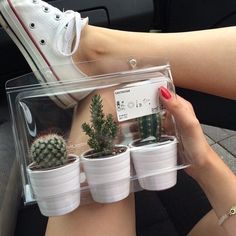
156,164
109,177
57,191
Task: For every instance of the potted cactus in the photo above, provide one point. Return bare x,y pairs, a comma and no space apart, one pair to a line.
154,155
106,165
54,175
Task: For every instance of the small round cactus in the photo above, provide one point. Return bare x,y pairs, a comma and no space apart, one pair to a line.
49,151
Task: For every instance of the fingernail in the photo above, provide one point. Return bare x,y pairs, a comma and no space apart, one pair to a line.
165,93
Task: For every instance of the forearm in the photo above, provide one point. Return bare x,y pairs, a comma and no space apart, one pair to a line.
219,184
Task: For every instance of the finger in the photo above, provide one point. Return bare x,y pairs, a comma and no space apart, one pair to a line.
180,108
187,103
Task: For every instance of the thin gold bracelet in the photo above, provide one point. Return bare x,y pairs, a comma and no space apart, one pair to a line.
231,212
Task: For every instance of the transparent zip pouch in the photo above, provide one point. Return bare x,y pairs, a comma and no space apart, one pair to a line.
93,139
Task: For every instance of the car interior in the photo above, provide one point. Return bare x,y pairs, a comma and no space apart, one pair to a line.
155,211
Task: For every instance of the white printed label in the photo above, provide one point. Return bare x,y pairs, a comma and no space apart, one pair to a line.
140,100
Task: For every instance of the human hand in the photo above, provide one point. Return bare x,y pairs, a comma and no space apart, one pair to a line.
194,148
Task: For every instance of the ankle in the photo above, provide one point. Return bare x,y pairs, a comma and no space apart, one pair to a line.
92,45
97,46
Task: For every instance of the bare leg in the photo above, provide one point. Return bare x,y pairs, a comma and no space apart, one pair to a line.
94,219
101,220
200,60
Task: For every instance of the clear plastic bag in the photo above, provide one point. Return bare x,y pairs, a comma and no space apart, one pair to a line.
131,146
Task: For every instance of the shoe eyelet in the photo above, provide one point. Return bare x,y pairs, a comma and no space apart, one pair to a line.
35,1
66,26
57,17
32,25
45,9
42,42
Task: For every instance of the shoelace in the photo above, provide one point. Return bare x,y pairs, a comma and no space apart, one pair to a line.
70,27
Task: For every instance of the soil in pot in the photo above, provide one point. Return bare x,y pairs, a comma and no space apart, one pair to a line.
116,150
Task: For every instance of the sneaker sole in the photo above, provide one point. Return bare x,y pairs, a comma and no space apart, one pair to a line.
17,31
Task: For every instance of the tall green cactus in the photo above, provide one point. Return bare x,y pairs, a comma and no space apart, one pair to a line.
49,151
150,127
102,130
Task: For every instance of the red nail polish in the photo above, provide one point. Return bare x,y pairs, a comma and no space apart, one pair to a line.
165,93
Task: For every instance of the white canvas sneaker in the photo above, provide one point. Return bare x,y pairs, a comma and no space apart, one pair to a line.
47,38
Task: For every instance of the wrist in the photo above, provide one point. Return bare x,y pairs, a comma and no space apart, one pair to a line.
207,164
